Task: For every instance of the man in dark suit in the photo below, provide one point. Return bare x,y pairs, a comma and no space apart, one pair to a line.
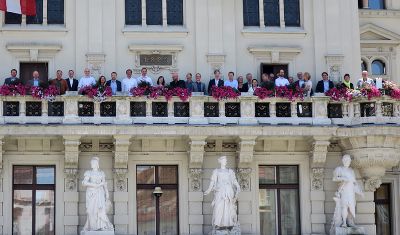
325,84
176,82
71,81
114,83
216,81
199,86
13,80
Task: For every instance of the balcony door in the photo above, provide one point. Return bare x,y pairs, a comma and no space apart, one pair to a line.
157,214
273,68
26,70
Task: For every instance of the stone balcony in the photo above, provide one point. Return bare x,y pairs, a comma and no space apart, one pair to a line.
199,110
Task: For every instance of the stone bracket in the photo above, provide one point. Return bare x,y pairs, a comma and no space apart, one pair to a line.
195,176
196,152
246,149
121,143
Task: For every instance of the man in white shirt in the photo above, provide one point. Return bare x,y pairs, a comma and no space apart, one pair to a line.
86,80
231,81
281,80
365,80
129,82
144,78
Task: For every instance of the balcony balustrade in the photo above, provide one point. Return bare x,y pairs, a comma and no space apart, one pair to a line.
199,110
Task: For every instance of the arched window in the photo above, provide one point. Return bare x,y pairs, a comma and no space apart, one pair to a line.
363,66
378,67
376,4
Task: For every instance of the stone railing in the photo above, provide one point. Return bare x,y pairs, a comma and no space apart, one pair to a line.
199,110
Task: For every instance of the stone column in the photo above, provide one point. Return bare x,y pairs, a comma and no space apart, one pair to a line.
71,195
246,214
196,156
121,197
372,156
318,157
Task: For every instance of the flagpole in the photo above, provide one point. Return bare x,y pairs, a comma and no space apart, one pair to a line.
2,18
44,12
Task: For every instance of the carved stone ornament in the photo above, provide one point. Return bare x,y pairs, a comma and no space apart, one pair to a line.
243,175
71,177
372,184
317,182
195,178
121,180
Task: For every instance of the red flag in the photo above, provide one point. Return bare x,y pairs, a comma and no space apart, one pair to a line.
28,7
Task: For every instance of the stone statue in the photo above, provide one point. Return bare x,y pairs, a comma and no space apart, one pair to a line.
226,190
97,201
345,199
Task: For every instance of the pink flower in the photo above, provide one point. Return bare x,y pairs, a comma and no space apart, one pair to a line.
224,92
263,93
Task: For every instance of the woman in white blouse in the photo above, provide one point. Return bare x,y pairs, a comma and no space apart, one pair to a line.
254,85
307,84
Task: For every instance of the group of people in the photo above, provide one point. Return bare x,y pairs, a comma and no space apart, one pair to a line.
193,85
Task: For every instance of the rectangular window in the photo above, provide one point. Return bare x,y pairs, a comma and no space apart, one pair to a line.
383,218
33,200
376,4
271,13
251,13
157,213
153,12
38,18
174,12
133,12
279,200
55,11
292,13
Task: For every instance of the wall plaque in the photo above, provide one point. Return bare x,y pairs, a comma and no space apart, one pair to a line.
155,59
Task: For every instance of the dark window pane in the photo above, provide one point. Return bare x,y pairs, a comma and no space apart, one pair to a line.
288,175
292,13
271,13
376,4
133,12
382,192
268,211
289,203
45,175
23,175
145,174
267,175
167,175
12,18
44,212
153,12
383,219
146,212
55,11
251,13
38,18
174,12
22,212
169,212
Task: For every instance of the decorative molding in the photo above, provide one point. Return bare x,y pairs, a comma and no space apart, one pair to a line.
71,178
121,143
147,49
317,178
196,152
384,36
372,184
216,61
71,145
367,13
95,62
335,66
33,51
274,54
319,150
273,33
195,178
121,179
244,176
103,147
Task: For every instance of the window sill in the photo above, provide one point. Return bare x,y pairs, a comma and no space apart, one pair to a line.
273,32
369,13
155,31
33,28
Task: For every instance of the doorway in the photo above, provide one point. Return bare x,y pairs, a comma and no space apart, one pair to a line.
273,68
27,68
157,212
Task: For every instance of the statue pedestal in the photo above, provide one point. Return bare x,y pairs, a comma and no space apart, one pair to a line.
349,230
228,231
97,233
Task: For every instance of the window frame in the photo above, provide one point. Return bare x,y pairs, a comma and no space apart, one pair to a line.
33,188
278,186
388,202
163,186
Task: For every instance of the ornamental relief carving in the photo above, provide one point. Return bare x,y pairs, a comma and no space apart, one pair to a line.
121,179
317,182
195,179
71,178
244,175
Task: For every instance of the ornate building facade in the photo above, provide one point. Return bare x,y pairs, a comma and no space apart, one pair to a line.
283,152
